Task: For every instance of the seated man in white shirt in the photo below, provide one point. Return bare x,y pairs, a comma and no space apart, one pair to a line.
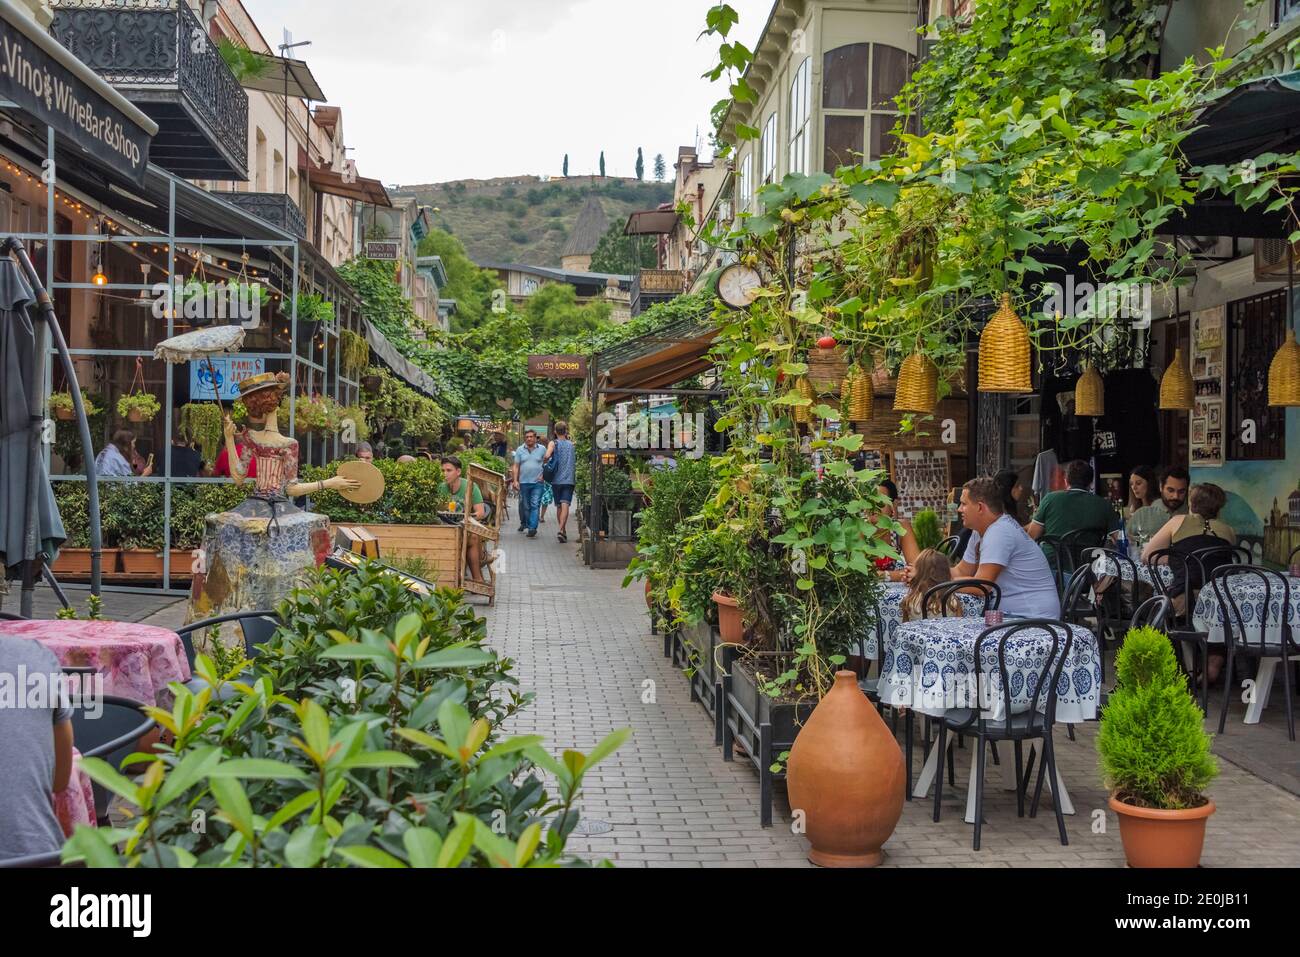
1001,551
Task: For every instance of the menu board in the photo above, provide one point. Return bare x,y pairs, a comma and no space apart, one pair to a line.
1207,375
923,481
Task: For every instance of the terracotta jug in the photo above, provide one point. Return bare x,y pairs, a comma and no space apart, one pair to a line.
845,773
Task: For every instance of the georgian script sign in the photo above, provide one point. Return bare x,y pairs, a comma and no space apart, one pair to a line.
387,251
42,86
557,367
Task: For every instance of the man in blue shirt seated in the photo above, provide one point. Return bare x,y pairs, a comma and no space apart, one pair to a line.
1001,551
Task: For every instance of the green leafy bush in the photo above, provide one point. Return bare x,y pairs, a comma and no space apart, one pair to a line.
677,494
144,404
1153,746
409,492
925,526
131,515
365,734
192,504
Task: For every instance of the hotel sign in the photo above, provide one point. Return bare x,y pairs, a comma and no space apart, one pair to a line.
387,251
40,85
557,367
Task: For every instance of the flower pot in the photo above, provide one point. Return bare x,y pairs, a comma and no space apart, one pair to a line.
372,384
142,561
731,626
135,415
65,415
1159,838
650,602
75,562
845,773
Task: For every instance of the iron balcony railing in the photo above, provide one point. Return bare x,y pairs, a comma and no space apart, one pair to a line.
158,54
650,286
274,208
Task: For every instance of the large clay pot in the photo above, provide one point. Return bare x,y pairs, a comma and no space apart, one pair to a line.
650,602
845,773
1158,838
731,626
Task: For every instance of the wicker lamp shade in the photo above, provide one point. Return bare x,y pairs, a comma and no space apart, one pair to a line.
826,370
1177,394
1090,393
803,413
1284,374
918,385
1004,353
859,395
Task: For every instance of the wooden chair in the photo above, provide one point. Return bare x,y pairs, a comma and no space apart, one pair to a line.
492,486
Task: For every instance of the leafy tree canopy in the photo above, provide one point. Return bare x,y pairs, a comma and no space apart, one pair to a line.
469,285
618,254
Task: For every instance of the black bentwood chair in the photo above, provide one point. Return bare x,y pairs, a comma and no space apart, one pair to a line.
1152,613
948,547
52,859
1188,573
1237,634
257,627
110,735
1055,641
934,603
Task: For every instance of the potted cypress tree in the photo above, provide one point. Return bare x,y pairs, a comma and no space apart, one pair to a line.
1155,755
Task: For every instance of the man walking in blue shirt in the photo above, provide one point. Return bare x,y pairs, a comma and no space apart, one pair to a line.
526,476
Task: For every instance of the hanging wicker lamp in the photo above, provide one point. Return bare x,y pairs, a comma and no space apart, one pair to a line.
918,384
1177,393
1090,393
860,395
803,413
1284,374
1004,353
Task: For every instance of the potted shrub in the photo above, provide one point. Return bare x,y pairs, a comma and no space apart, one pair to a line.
62,406
1155,755
200,423
925,527
138,407
133,521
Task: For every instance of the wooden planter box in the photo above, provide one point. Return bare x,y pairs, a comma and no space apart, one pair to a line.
442,546
73,564
764,727
142,563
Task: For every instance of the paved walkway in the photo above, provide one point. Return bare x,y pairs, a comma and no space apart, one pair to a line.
584,646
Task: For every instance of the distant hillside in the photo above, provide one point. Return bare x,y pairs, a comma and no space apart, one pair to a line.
522,219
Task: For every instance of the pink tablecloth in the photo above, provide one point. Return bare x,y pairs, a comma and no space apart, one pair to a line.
137,661
76,803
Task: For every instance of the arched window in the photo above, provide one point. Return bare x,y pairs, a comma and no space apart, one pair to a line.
859,84
768,149
744,183
800,134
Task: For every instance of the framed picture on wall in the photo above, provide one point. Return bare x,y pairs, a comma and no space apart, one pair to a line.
922,477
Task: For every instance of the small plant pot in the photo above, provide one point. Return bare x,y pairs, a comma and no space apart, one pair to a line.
135,415
372,384
1158,838
65,415
650,602
731,626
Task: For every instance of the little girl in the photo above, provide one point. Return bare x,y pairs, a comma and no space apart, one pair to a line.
930,568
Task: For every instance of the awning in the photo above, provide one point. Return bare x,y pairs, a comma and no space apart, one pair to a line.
651,222
366,190
658,359
301,82
416,377
1254,117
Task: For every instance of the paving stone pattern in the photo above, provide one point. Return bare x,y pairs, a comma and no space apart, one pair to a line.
584,646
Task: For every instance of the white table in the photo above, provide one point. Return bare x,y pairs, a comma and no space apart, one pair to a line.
1106,566
929,668
1247,592
891,613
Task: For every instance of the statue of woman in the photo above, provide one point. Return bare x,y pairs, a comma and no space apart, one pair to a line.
254,554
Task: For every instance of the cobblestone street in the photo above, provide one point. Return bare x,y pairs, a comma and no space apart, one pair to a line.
583,644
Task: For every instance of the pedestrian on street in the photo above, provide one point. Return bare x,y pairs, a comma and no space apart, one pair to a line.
562,451
526,478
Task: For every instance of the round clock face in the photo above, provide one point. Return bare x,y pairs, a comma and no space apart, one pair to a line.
738,284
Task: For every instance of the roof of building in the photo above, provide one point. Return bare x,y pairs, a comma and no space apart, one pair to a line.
592,224
570,276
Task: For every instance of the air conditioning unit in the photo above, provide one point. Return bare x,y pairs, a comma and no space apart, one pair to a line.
1271,260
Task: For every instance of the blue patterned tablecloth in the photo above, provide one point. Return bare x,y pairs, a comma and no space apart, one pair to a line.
891,610
929,667
1248,593
1106,565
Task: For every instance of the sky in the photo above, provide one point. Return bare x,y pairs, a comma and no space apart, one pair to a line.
438,90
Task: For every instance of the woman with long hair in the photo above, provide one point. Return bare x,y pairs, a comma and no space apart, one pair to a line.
1143,488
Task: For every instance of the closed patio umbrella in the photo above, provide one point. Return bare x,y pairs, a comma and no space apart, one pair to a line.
19,366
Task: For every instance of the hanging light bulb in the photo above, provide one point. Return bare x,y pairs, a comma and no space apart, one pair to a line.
1177,393
99,279
1284,370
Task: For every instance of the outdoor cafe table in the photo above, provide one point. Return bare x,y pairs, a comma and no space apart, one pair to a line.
891,613
1104,565
137,661
1247,591
929,667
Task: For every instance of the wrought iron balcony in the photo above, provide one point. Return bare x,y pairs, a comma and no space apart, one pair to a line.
651,286
159,56
275,208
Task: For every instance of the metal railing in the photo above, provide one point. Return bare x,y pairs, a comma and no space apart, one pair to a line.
274,208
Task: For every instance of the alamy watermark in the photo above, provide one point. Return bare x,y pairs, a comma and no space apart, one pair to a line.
201,302
669,433
46,690
1109,300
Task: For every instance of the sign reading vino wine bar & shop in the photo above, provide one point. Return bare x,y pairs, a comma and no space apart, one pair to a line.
557,367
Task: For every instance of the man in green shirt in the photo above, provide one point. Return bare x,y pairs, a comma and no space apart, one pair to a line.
1149,519
451,498
1076,509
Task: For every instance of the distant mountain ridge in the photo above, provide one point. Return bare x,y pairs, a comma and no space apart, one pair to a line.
525,219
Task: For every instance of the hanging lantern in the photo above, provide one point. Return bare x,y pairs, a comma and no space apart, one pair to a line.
1004,353
1090,393
860,395
1177,394
1284,374
1284,370
918,384
803,413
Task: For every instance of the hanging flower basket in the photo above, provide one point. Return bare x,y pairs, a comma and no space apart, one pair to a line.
138,407
918,385
1004,353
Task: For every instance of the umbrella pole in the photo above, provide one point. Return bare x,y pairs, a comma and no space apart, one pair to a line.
10,244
